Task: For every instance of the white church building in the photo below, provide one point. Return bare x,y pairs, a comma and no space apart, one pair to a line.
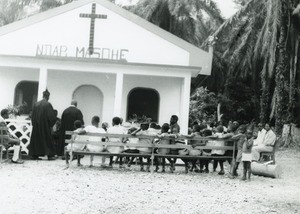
111,61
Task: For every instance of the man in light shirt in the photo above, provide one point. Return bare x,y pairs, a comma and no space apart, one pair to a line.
260,135
267,144
94,128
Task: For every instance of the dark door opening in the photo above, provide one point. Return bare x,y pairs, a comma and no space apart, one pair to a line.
26,93
143,102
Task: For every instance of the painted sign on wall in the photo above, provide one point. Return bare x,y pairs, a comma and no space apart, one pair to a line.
81,52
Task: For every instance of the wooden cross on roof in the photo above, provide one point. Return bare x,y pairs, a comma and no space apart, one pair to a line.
92,16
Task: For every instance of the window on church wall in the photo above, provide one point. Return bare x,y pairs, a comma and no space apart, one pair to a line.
143,102
26,93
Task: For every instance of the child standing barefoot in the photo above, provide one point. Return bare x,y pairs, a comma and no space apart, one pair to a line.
218,152
240,139
247,156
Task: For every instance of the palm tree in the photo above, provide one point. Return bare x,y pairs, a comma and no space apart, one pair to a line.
241,3
11,11
191,20
260,45
48,4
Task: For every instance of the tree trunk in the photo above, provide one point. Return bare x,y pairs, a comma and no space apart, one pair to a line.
290,135
268,170
281,70
265,96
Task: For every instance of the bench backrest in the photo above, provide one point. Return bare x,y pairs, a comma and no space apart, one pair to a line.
153,145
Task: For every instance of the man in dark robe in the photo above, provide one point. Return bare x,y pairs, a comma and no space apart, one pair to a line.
43,118
69,116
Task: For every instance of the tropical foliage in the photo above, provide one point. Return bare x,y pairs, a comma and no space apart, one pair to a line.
259,45
12,10
16,110
191,20
203,105
238,105
241,2
48,4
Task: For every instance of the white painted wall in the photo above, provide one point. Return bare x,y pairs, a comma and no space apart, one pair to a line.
71,31
9,78
62,84
169,92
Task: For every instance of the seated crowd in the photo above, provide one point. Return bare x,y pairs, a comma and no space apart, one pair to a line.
249,144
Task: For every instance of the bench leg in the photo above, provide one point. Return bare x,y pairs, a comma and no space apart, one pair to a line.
272,157
1,153
103,159
67,159
172,165
111,161
91,160
141,163
131,159
152,163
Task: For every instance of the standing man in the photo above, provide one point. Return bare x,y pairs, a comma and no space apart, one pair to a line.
69,116
43,118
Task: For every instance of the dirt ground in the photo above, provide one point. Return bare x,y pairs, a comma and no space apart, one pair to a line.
47,187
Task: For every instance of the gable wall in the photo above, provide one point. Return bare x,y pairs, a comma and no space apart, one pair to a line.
67,32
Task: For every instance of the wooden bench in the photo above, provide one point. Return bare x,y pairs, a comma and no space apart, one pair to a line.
152,146
269,155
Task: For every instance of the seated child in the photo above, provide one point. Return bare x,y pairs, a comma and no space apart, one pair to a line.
163,151
218,152
194,143
247,155
116,129
131,149
147,141
206,152
76,146
105,126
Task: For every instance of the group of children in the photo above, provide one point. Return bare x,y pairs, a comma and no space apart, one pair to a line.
168,134
244,142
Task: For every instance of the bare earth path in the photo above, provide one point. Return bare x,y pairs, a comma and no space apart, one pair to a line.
45,187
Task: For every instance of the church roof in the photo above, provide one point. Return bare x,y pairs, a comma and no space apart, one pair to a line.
197,57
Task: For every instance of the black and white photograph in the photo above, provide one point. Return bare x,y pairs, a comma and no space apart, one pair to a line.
150,106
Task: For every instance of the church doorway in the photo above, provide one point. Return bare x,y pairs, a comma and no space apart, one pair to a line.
90,102
143,102
26,94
